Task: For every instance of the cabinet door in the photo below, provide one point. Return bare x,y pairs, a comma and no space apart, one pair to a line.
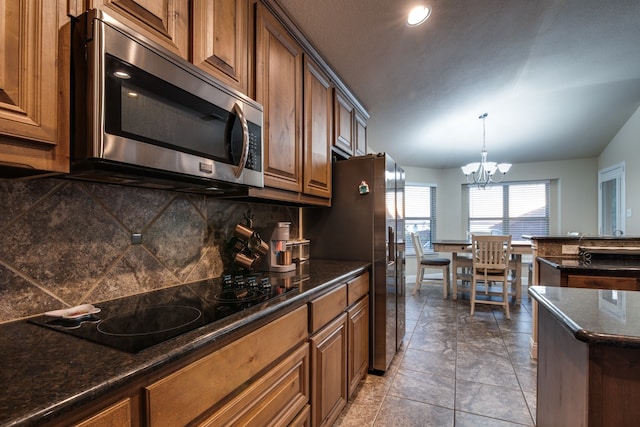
343,110
360,135
165,22
220,40
318,128
34,86
358,334
279,90
329,372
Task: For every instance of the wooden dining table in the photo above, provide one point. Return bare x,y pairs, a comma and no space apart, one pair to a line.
455,247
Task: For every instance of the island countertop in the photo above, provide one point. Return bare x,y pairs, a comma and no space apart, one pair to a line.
594,316
46,374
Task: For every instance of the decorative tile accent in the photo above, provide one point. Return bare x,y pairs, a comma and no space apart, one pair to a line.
65,242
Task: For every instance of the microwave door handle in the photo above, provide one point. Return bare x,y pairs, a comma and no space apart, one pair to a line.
237,110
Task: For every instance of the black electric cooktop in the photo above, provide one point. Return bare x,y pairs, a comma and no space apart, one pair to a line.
134,323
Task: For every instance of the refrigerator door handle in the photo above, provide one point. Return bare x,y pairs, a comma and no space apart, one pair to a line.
392,245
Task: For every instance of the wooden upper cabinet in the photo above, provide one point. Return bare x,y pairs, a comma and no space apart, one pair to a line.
344,116
220,29
360,134
279,89
318,130
34,87
165,22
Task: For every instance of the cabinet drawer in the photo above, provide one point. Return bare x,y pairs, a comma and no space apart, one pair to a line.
275,399
602,282
190,391
357,288
118,414
327,307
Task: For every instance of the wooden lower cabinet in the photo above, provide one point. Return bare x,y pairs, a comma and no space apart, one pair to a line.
584,384
196,389
329,372
602,282
277,398
593,278
358,349
118,414
303,419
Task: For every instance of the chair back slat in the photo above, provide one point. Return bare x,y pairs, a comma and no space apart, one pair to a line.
417,245
491,252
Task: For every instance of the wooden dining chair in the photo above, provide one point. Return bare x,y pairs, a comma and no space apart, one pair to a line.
491,256
425,262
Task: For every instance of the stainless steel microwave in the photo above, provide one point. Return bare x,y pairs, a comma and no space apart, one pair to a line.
143,116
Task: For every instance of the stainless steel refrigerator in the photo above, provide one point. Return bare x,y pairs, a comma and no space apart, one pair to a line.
366,223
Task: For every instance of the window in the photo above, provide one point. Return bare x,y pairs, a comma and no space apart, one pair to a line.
420,216
515,209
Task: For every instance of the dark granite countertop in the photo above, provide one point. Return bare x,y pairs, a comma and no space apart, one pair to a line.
594,316
46,374
613,264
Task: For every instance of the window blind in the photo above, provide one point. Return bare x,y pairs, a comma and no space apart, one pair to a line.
420,209
511,208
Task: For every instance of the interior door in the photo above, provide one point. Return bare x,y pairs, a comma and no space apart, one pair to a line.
611,206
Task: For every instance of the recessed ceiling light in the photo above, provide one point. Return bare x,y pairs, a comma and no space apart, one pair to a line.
418,15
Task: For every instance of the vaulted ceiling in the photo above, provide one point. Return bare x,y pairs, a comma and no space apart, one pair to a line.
558,78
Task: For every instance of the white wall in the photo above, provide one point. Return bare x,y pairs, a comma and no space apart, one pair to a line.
573,201
625,147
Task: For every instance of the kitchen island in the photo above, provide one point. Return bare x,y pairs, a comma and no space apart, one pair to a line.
53,378
588,356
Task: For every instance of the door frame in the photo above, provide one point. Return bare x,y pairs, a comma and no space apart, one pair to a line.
615,172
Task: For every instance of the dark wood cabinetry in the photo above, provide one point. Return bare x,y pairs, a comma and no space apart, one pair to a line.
358,346
344,116
279,90
360,134
329,372
350,126
318,128
598,274
166,22
34,88
220,40
582,379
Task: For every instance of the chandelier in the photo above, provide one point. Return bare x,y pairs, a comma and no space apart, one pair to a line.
484,172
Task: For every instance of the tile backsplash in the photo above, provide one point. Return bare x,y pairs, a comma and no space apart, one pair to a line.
64,243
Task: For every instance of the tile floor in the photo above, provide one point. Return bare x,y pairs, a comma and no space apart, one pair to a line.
453,369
